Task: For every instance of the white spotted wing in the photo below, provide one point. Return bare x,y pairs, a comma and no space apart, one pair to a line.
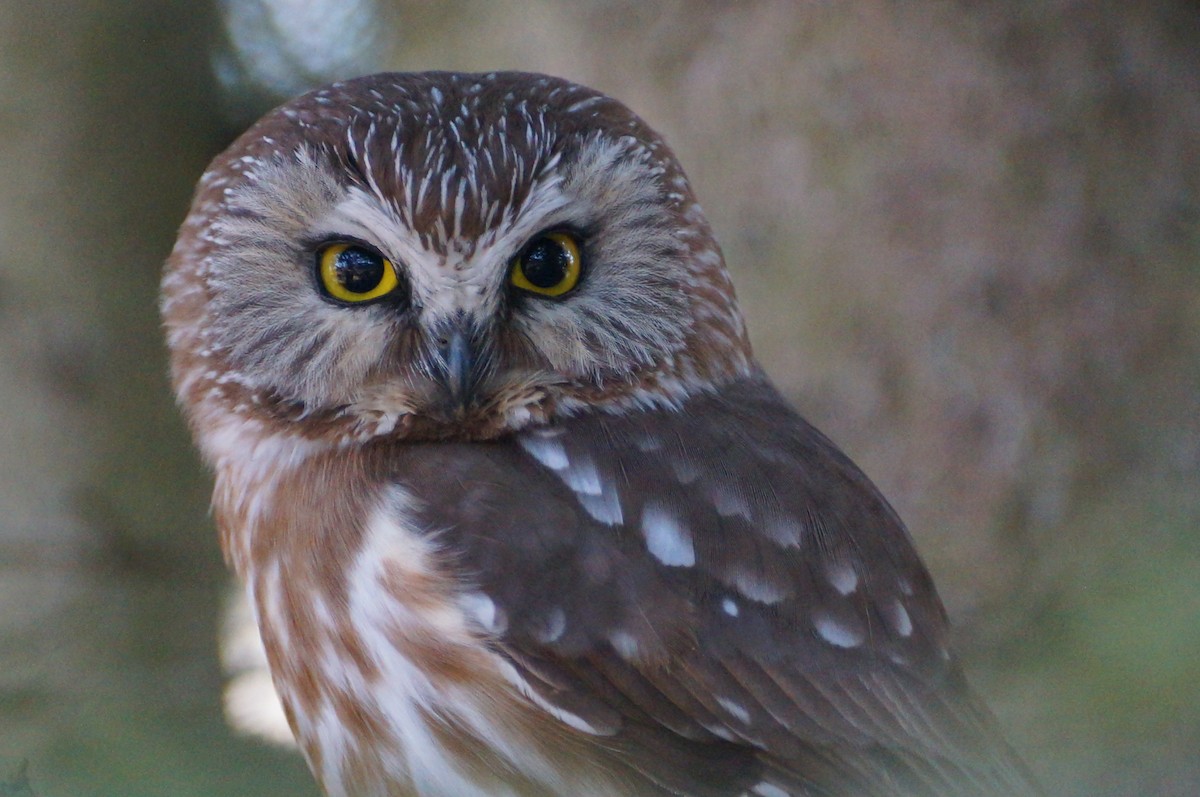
722,592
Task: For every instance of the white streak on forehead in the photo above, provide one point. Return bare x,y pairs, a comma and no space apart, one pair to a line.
545,205
471,275
363,215
554,199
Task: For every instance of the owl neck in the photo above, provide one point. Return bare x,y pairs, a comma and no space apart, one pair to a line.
250,433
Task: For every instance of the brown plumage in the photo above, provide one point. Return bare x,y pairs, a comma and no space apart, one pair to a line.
517,510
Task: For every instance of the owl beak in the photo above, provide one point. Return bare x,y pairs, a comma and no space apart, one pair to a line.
457,360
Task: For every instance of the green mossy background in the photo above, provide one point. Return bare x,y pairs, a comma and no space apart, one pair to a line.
966,237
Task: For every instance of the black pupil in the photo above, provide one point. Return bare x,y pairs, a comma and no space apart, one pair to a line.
546,263
359,270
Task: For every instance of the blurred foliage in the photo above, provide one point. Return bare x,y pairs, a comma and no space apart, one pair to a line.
966,237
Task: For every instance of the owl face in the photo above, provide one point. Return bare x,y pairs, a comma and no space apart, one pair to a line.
446,256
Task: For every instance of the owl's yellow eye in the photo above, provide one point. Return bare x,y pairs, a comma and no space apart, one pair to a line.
352,273
549,265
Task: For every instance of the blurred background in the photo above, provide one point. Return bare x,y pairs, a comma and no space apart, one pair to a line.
967,238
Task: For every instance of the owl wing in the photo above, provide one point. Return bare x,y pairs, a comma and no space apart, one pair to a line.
720,594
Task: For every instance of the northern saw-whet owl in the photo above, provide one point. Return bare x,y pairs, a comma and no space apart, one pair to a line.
517,511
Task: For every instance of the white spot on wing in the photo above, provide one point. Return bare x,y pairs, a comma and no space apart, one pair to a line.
624,643
837,633
482,610
647,443
756,587
597,496
783,530
721,732
729,502
545,450
582,477
666,538
736,710
900,619
555,625
685,469
576,107
765,789
730,607
605,507
842,577
565,717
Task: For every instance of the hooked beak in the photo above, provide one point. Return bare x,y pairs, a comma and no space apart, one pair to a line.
456,361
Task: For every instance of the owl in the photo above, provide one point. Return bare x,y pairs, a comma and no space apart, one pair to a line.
517,511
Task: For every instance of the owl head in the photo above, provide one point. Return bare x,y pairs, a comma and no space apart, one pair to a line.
445,256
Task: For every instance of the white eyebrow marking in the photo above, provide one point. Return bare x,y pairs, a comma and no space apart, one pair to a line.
666,538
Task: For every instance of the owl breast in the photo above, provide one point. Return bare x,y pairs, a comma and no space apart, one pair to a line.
381,660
